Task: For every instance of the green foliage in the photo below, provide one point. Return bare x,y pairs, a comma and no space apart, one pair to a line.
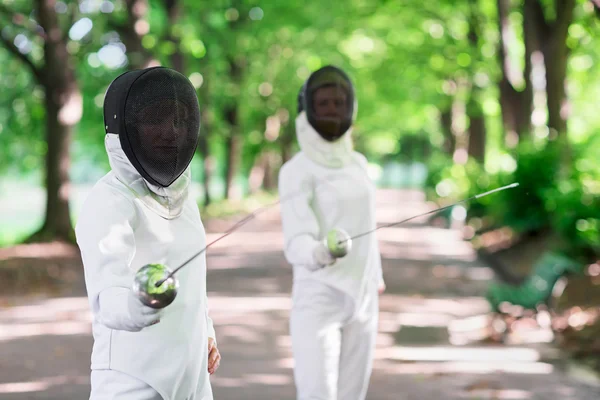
568,205
574,205
450,182
408,61
229,208
22,143
536,173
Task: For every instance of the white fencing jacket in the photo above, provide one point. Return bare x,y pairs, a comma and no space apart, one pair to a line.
326,186
124,224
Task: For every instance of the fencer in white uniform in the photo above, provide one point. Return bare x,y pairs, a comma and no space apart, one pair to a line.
334,315
140,213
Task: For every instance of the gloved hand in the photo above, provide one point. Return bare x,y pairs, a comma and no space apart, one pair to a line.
141,315
120,309
322,256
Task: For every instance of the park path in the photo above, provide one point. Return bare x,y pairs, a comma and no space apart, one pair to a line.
430,319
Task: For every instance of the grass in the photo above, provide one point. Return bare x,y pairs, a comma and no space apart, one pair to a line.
229,208
13,232
17,226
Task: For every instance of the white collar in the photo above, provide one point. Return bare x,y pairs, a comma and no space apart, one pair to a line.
167,202
334,154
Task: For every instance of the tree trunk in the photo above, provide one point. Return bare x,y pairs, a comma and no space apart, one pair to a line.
516,106
477,131
63,110
233,144
555,60
269,182
287,141
553,37
508,94
205,132
234,140
256,178
532,47
132,33
262,174
203,147
596,4
446,125
555,87
204,151
173,9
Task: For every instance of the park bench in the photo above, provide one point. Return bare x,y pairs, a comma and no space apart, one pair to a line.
539,288
511,301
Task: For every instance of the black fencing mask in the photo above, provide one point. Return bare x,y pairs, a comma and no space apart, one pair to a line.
328,99
156,114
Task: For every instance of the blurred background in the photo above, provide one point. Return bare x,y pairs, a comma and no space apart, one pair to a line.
454,98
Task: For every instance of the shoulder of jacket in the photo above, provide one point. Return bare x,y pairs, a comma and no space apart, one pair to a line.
360,158
295,165
108,201
109,192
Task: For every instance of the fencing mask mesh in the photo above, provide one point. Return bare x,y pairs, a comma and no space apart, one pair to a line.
156,114
328,99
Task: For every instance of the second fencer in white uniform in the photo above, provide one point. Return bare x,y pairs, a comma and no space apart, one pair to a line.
335,305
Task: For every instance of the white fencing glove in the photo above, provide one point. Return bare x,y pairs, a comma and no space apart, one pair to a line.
120,309
322,256
142,315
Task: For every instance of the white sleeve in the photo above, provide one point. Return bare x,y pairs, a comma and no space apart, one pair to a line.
362,160
209,323
377,255
104,234
299,222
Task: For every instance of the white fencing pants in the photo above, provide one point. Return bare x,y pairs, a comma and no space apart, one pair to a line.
333,340
114,385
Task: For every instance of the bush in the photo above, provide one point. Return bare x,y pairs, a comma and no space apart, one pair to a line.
574,206
232,208
449,183
568,204
537,173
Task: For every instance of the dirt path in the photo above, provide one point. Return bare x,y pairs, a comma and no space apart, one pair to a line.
435,289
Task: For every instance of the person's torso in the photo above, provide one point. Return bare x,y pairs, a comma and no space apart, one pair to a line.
171,356
344,198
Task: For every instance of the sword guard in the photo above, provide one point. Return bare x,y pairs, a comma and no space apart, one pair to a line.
144,286
338,242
